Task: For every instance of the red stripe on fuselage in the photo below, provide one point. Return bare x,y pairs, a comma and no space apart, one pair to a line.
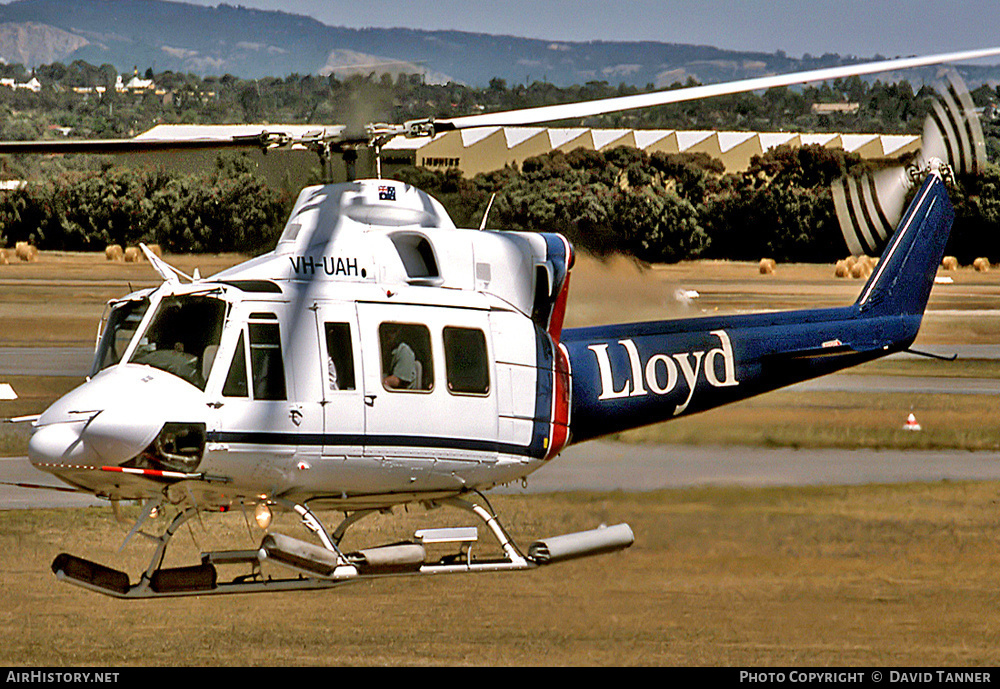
559,436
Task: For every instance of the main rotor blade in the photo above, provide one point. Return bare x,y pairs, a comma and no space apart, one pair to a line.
552,113
307,137
109,146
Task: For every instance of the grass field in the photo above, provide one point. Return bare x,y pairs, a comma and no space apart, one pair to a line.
60,299
900,575
881,575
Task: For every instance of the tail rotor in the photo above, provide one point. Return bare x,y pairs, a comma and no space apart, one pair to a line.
870,206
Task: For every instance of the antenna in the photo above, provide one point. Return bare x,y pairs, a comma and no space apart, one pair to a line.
486,213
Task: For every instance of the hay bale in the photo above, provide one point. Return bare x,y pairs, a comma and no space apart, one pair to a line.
767,266
949,263
981,264
26,252
114,252
155,248
133,255
841,270
861,269
4,261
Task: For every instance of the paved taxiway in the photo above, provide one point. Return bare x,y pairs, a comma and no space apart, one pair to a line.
608,466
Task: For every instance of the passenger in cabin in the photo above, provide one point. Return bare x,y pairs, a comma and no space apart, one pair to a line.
401,373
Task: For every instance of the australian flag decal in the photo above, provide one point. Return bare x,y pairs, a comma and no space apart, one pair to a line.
386,193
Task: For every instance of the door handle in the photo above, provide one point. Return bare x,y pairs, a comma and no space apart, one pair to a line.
370,400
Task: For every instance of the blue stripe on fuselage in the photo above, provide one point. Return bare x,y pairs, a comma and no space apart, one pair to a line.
361,441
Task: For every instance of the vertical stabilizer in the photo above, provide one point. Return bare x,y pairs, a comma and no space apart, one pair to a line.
901,284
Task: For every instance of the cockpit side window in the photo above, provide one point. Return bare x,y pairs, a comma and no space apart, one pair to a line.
183,337
236,379
122,324
266,365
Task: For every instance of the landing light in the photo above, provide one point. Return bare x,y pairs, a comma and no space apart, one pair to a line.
262,515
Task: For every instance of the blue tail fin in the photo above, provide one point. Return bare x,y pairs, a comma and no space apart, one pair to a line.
901,284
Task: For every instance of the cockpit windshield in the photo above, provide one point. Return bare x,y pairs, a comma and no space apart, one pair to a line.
183,337
122,324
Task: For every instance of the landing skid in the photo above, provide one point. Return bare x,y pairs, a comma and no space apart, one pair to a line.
314,567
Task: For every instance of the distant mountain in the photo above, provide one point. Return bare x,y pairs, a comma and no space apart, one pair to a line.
249,43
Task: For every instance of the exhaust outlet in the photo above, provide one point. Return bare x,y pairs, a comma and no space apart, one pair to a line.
605,539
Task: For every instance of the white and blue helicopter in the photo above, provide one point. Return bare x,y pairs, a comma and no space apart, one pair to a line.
380,356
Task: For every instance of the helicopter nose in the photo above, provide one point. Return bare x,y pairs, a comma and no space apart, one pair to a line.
106,421
59,443
106,437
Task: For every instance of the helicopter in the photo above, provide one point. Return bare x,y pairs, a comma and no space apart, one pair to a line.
379,356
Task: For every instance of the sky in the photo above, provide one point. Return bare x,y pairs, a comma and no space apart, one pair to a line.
848,27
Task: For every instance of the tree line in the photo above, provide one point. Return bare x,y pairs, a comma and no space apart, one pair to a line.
884,107
226,209
664,207
656,207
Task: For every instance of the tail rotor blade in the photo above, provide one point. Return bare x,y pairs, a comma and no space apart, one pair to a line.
952,131
868,207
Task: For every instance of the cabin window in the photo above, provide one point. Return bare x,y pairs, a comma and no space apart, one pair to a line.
406,356
467,365
339,356
236,379
183,337
122,324
266,366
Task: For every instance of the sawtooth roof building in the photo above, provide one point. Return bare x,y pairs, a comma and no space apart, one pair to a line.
483,150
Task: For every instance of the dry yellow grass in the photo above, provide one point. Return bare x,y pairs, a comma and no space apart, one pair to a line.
966,311
847,576
837,419
854,576
59,300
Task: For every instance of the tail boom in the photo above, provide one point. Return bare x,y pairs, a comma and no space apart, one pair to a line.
629,375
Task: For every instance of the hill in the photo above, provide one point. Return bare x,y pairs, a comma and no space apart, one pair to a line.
249,43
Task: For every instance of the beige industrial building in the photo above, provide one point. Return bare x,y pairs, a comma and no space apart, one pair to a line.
483,150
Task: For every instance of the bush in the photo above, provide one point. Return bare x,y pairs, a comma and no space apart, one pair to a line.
227,210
